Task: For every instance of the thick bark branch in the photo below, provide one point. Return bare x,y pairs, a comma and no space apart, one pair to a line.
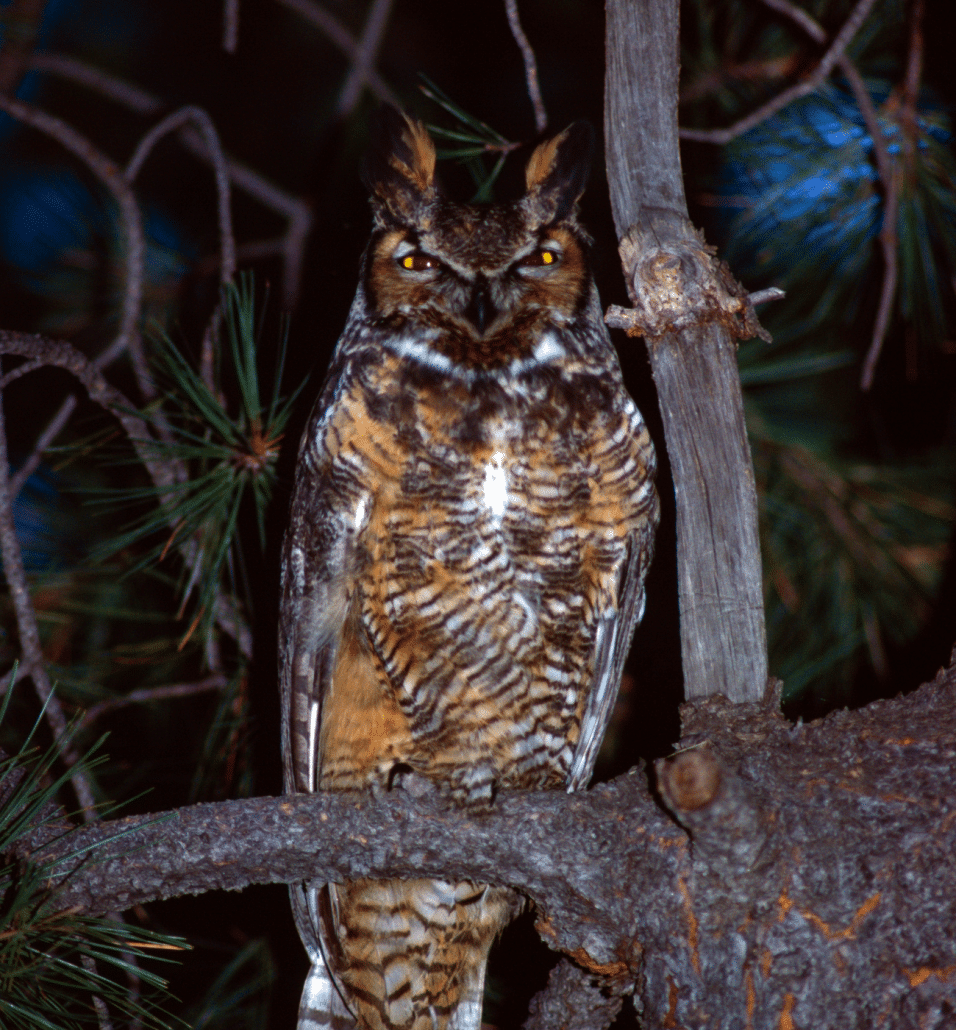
810,879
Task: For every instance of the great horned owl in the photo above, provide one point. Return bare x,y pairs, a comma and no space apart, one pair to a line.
472,520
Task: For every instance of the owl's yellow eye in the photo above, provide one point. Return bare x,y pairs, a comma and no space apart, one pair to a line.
538,258
417,262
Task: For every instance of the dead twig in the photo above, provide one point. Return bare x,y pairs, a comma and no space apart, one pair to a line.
148,694
366,55
338,34
165,474
230,26
885,170
296,212
213,148
530,66
28,631
227,242
888,237
819,74
127,339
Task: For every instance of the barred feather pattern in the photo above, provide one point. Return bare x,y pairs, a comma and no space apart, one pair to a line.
471,524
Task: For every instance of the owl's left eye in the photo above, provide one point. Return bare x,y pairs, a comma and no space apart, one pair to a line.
418,262
540,258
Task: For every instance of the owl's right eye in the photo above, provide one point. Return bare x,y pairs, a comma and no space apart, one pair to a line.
417,262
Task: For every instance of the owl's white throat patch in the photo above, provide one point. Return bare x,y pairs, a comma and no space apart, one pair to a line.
548,348
495,490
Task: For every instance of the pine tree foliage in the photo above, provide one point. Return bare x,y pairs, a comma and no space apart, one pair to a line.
62,970
797,202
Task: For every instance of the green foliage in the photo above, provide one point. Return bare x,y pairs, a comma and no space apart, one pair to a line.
238,997
62,970
472,141
854,547
222,438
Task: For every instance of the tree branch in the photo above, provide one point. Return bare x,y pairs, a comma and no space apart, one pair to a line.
688,306
296,212
836,51
810,867
127,339
530,66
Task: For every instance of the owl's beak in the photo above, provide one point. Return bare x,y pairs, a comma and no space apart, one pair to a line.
481,311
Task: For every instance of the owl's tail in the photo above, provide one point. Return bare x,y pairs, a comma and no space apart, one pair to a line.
321,1007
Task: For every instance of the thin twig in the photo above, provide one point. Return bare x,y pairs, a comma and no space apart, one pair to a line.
338,34
764,296
132,97
797,14
827,63
227,242
53,429
213,148
28,631
887,176
230,26
127,339
294,210
165,474
365,57
888,238
148,694
530,66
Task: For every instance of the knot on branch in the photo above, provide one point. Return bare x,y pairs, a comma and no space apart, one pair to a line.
716,807
675,281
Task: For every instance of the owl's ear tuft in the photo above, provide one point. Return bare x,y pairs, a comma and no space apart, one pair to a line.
558,169
399,167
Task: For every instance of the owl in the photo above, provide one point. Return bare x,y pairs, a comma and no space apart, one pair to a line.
472,520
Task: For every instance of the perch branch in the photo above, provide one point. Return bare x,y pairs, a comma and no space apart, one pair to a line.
809,857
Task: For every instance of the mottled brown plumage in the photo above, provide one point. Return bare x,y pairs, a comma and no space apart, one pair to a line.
472,521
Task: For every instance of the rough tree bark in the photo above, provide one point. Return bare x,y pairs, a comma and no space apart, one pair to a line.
687,308
804,877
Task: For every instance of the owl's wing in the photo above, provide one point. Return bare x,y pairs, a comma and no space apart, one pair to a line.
314,600
612,640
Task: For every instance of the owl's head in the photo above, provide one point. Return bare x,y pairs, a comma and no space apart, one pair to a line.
478,287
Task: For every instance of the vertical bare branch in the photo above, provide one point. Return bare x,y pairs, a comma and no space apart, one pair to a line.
230,26
530,66
365,57
888,236
27,629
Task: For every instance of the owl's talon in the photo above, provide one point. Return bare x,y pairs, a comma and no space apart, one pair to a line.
403,777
